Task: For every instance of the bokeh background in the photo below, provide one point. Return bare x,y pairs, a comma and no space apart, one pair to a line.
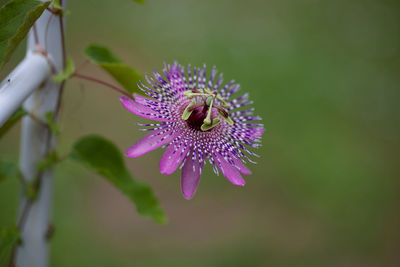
324,76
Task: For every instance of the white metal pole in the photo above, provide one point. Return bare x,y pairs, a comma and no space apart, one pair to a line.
20,84
34,250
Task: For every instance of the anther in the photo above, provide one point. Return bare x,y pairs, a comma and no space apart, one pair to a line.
205,127
225,116
188,111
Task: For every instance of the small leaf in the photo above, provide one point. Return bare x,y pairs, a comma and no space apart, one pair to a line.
9,237
12,120
32,188
16,18
126,76
65,73
56,4
48,162
51,122
104,157
8,169
101,54
58,9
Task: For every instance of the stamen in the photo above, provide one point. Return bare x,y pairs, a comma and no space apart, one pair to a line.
224,103
206,127
190,94
191,108
209,102
225,116
208,99
186,114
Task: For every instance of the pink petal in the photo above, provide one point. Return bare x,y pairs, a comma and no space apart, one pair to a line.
257,133
190,178
241,167
142,100
172,158
229,171
150,142
141,110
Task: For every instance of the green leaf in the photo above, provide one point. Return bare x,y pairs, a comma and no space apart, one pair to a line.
16,18
8,169
126,76
65,73
3,2
9,237
32,188
48,162
105,158
56,4
101,54
139,1
12,120
51,122
58,8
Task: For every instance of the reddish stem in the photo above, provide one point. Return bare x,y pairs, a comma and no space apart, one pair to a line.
35,34
78,75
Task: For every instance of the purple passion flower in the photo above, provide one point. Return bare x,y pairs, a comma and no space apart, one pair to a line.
197,122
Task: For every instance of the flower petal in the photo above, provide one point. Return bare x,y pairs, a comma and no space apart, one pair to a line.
141,99
151,141
239,165
190,177
144,100
229,171
258,132
142,110
173,157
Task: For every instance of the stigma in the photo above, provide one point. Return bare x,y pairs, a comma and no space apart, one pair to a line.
199,112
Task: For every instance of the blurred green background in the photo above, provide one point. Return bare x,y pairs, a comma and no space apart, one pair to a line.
324,76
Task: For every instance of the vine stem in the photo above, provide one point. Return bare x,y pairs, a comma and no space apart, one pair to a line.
47,31
20,224
64,62
89,78
35,34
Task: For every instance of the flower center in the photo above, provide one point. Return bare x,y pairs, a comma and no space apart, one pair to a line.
199,112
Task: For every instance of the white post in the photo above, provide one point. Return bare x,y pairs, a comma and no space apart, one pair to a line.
36,142
20,84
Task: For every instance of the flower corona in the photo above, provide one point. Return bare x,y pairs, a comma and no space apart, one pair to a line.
197,123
